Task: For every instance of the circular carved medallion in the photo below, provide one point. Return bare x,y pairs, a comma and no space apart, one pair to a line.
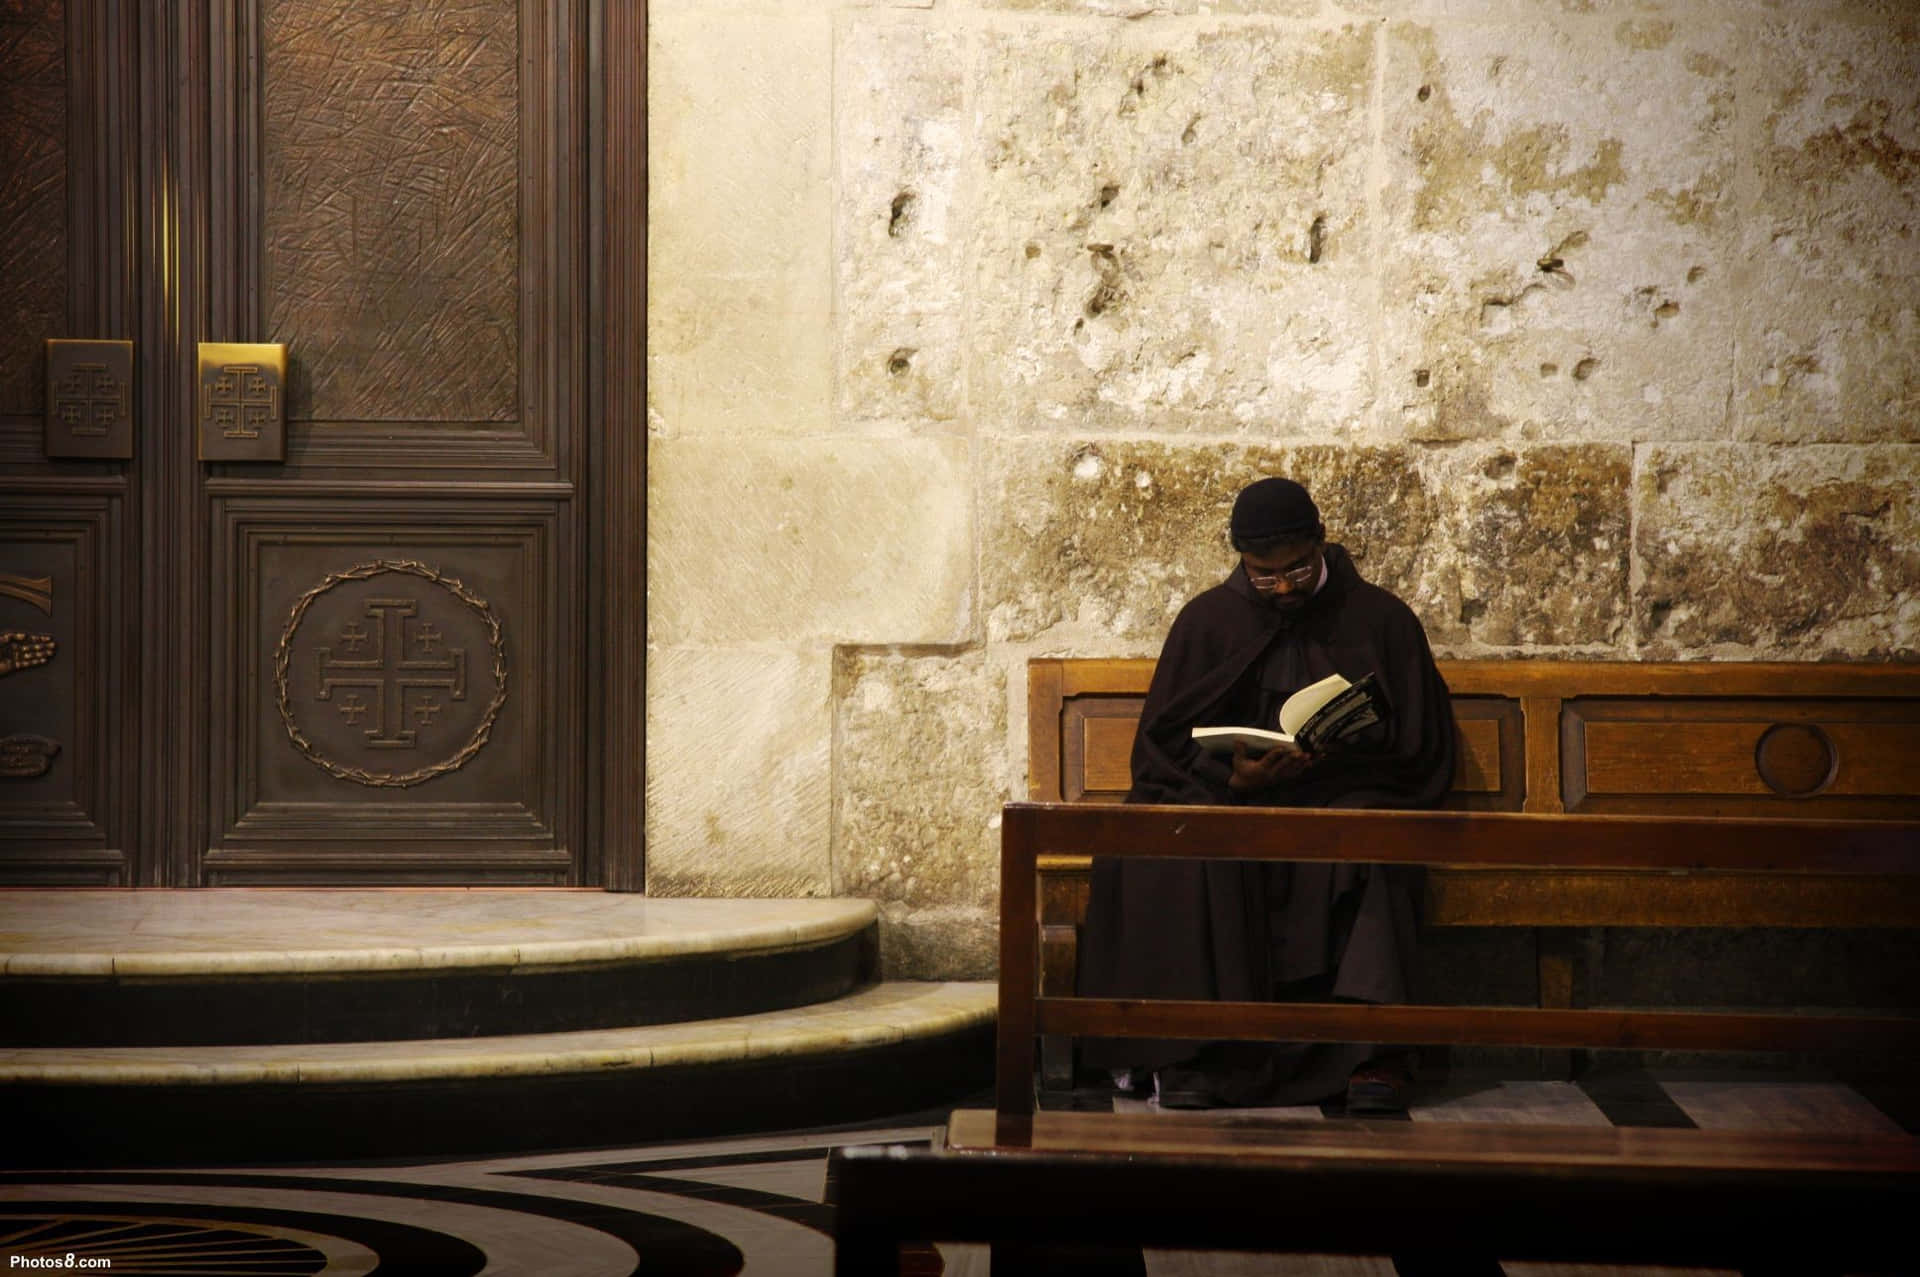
1796,760
390,674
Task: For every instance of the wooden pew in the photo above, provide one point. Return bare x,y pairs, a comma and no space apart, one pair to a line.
1769,1202
1833,741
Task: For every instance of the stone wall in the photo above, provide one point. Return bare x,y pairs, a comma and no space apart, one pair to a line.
1594,325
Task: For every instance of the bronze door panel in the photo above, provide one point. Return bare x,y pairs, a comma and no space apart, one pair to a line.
414,239
62,662
395,695
70,640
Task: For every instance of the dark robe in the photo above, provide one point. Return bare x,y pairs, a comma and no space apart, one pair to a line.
1245,931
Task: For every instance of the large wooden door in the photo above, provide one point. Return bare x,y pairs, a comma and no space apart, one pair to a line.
72,638
364,657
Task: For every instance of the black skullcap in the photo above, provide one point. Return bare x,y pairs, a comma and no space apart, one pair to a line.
1271,509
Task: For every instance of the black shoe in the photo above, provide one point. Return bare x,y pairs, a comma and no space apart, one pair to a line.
1380,1088
1184,1089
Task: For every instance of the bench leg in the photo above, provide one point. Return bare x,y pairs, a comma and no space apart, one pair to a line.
1056,1062
859,1253
1553,953
1025,1258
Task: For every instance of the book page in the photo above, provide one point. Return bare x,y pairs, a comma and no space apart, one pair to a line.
1306,702
1221,740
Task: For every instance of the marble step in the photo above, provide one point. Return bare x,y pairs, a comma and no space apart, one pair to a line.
886,1048
240,966
878,1015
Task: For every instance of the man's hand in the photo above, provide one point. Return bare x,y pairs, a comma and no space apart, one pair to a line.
1251,772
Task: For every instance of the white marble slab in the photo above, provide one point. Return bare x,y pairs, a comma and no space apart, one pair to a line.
1609,1270
1223,1263
1524,1102
1814,1107
803,1181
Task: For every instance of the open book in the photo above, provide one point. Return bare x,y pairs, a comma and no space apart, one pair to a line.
1315,718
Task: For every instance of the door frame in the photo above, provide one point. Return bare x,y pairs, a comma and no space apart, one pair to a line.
617,483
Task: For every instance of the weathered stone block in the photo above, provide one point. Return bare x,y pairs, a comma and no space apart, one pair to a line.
808,541
657,9
740,275
739,356
1534,550
1101,543
740,136
1134,9
1171,231
902,143
939,944
1097,542
1802,553
922,744
1830,338
739,783
1558,225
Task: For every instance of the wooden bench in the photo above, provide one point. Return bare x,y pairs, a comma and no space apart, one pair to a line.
1761,1202
1833,741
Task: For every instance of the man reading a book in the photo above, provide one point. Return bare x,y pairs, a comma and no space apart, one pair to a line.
1293,611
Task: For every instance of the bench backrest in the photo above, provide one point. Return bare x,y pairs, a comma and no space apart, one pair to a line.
1830,741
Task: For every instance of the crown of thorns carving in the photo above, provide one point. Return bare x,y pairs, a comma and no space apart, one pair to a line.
283,655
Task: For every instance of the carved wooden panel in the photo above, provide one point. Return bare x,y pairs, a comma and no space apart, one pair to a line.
33,198
64,761
1097,734
1834,757
1489,771
392,677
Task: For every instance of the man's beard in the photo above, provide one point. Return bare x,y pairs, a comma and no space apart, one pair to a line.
1289,608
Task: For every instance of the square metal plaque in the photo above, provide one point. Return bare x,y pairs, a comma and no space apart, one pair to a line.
90,399
243,401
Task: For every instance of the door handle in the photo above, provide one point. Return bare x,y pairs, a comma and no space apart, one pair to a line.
243,401
89,400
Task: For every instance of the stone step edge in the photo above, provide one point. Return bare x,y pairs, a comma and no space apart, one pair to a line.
840,918
879,1015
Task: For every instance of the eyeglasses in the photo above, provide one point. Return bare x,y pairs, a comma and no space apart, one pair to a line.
1299,578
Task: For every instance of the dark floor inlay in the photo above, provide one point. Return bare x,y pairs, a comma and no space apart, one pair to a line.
799,1210
697,1252
689,1162
1898,1098
1630,1097
207,1243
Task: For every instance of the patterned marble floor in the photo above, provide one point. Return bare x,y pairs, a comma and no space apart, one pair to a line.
753,1206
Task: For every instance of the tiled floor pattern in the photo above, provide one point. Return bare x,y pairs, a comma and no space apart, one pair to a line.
751,1206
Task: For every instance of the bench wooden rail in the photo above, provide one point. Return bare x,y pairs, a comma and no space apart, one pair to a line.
1464,840
1450,1196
